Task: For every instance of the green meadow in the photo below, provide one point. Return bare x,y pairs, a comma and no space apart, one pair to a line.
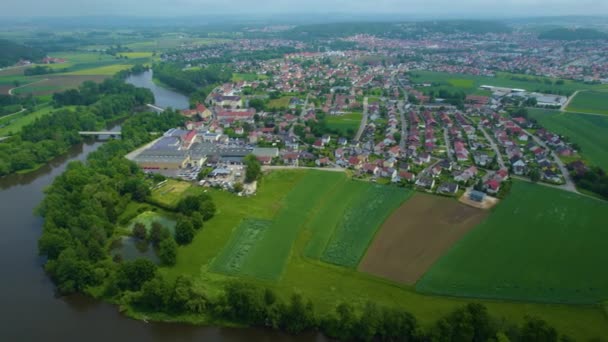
595,102
588,131
539,245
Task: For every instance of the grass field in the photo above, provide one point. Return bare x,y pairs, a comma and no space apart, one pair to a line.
471,83
345,123
170,192
589,102
540,244
590,132
327,285
282,102
102,70
416,235
13,124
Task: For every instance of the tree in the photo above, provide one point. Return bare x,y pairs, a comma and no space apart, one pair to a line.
72,273
298,316
154,294
158,233
534,175
139,231
238,187
132,275
167,251
203,173
537,330
197,220
184,231
253,168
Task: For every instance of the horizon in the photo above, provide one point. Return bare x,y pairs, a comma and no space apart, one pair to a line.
405,8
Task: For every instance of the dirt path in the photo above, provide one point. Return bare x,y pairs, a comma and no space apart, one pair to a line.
563,108
19,112
10,91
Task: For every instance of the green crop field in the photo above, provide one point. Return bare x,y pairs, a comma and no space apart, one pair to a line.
362,217
102,70
328,285
344,123
246,238
595,102
471,83
588,131
540,244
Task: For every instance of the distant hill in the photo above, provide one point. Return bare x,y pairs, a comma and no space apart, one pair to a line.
395,29
573,34
11,53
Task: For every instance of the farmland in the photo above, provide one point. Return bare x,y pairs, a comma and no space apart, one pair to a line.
359,223
327,284
588,131
470,83
594,102
541,244
416,235
344,123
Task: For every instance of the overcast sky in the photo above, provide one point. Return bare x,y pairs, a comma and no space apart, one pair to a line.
451,8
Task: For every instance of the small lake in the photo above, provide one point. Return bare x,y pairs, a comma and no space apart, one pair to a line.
164,97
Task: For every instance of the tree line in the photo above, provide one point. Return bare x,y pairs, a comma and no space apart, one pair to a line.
188,81
51,135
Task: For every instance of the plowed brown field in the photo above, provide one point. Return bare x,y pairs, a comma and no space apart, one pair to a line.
416,235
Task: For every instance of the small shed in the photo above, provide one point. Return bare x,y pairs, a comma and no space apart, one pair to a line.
477,196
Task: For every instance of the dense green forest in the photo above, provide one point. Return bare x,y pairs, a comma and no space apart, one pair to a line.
573,34
11,53
52,135
12,104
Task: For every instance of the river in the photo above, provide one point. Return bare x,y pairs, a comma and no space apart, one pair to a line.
164,97
29,308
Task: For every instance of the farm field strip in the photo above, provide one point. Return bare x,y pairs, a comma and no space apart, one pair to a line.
416,235
540,244
360,221
241,245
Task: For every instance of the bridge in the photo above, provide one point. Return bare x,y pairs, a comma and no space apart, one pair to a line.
156,108
99,133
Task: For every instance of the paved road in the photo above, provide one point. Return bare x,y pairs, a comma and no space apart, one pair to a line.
331,169
501,162
565,173
448,146
563,108
363,120
400,106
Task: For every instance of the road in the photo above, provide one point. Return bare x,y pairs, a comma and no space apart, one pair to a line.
400,106
501,162
448,146
330,169
565,173
563,108
363,120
